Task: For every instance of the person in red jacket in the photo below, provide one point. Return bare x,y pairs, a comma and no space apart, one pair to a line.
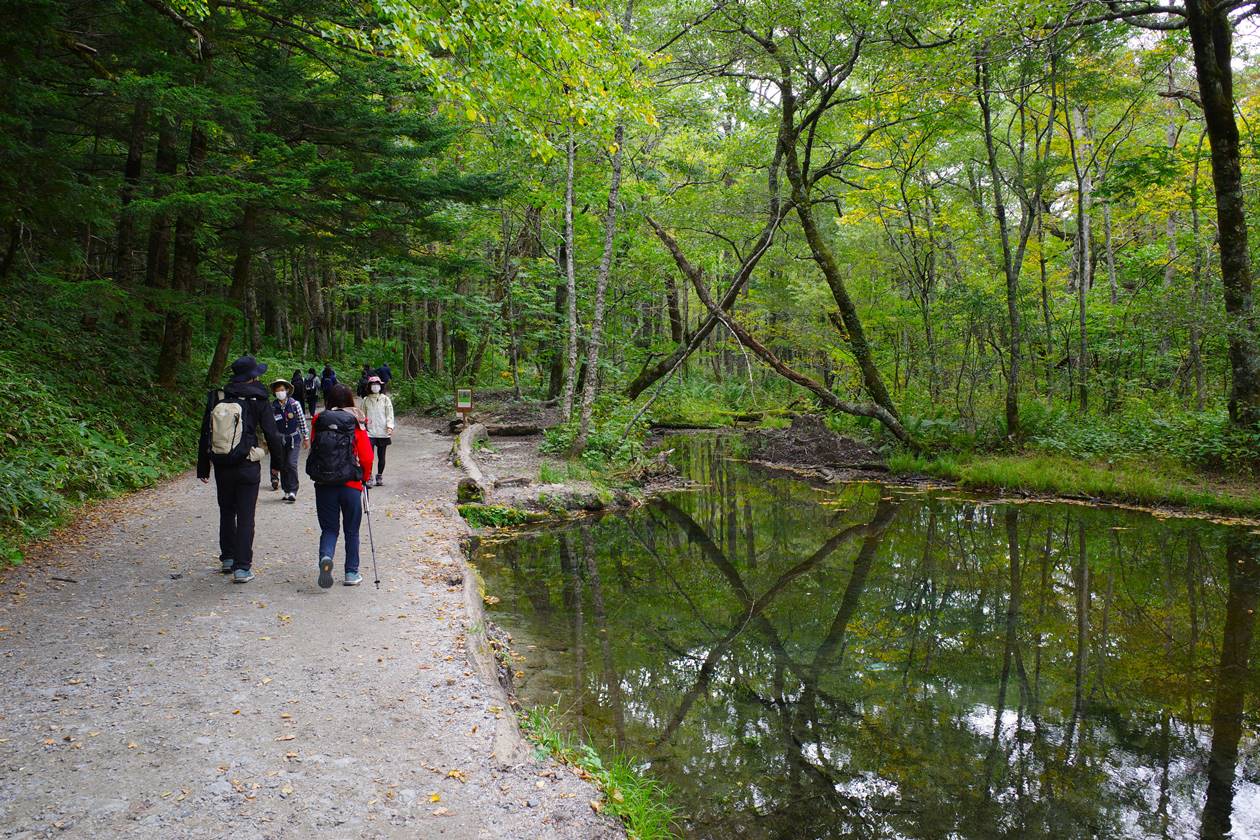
339,464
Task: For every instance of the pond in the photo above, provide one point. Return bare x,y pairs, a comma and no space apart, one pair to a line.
868,661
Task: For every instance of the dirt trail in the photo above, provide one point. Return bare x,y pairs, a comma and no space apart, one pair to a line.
151,697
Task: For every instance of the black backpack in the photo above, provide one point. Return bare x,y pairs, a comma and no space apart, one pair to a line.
332,459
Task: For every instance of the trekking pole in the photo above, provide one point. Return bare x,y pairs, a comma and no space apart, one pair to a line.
367,511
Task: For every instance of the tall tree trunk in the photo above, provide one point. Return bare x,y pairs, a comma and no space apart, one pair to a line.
596,337
186,258
555,371
671,305
1211,36
1082,160
1170,138
1110,254
157,266
316,308
437,342
1010,262
872,410
1196,290
1045,303
237,292
132,171
570,284
853,332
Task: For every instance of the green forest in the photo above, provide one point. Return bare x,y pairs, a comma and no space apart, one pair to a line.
1007,243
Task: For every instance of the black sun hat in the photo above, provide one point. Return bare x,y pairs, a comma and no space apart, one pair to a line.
246,368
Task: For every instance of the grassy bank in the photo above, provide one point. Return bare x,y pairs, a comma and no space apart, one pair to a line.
630,795
1136,480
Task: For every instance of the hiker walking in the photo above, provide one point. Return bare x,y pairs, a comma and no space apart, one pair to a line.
298,392
229,441
327,379
385,373
378,407
340,464
362,389
291,422
312,392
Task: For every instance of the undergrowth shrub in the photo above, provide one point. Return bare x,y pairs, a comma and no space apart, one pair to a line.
612,440
638,800
1203,439
74,437
494,516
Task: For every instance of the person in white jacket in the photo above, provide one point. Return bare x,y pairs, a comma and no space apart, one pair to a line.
379,410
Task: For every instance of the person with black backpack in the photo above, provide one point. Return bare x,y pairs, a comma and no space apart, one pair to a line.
367,374
327,379
229,441
312,392
340,464
299,391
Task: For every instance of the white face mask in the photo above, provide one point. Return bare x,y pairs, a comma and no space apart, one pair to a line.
282,395
376,389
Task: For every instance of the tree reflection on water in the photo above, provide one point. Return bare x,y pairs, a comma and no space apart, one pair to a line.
868,662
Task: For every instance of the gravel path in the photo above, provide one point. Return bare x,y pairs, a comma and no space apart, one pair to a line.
147,696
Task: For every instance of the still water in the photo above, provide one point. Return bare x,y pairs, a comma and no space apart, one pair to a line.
861,661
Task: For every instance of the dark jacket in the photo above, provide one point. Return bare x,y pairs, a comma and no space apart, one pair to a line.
290,420
299,389
385,373
256,410
326,381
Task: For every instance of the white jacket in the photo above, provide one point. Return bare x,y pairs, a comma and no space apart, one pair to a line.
379,409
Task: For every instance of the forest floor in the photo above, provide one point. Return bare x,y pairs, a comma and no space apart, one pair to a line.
148,696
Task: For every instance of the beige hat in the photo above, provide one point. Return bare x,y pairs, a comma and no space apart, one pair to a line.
286,383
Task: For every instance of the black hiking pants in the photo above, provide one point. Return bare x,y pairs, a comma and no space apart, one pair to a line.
379,445
286,463
237,489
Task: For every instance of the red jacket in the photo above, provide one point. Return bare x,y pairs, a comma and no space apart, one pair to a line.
362,449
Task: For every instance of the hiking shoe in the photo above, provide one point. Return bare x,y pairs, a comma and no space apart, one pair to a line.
325,573
353,578
225,566
290,497
380,481
275,483
242,576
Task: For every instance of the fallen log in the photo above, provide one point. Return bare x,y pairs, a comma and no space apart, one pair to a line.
477,482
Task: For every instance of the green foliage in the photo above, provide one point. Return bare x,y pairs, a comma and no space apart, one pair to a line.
610,441
698,401
495,516
1204,439
693,402
84,423
635,798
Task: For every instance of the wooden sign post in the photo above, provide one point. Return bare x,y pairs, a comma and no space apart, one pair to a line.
463,403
